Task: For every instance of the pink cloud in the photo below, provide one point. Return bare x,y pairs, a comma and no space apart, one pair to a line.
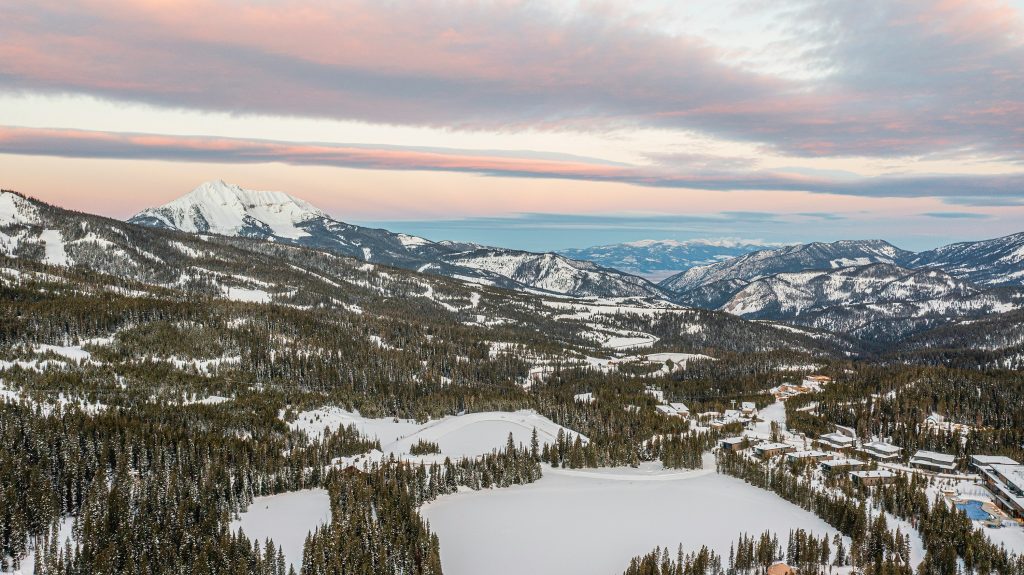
678,172
897,78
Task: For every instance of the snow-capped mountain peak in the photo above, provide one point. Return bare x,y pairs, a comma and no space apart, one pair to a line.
228,209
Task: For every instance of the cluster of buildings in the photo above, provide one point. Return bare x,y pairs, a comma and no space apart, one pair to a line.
674,408
1003,476
810,384
744,415
938,422
830,462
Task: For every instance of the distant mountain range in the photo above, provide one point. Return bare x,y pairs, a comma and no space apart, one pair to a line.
44,248
991,262
658,259
868,290
225,209
814,256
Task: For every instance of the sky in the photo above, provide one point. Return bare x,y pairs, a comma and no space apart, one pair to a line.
534,125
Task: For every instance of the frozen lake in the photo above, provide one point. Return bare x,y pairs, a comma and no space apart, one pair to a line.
594,521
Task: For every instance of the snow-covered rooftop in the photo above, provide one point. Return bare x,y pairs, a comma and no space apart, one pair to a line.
993,460
871,474
882,447
934,456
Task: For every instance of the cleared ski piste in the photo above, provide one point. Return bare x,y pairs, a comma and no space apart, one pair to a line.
594,521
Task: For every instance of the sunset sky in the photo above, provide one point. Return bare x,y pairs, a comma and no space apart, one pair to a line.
539,125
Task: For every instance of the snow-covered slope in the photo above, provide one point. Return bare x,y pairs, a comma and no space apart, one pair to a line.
658,259
883,300
227,209
793,293
788,259
998,261
16,210
554,273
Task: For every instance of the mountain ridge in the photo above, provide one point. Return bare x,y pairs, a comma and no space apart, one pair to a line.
815,255
227,209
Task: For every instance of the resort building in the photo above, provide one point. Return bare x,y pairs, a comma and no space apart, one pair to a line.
816,381
881,450
680,408
980,462
932,461
769,450
847,431
872,478
807,455
1006,482
667,410
732,443
831,466
837,441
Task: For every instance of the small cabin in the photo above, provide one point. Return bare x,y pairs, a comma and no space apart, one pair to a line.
733,444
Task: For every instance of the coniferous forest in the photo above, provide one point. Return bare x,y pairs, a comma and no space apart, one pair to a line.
144,405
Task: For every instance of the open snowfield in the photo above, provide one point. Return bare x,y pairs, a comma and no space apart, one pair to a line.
478,433
286,518
594,521
466,435
1010,537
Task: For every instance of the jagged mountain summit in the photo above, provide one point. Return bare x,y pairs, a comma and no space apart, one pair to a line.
658,259
226,209
217,207
813,256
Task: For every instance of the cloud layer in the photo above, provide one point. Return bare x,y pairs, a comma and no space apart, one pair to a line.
958,189
913,77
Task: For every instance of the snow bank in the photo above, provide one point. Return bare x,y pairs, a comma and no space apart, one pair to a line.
246,295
